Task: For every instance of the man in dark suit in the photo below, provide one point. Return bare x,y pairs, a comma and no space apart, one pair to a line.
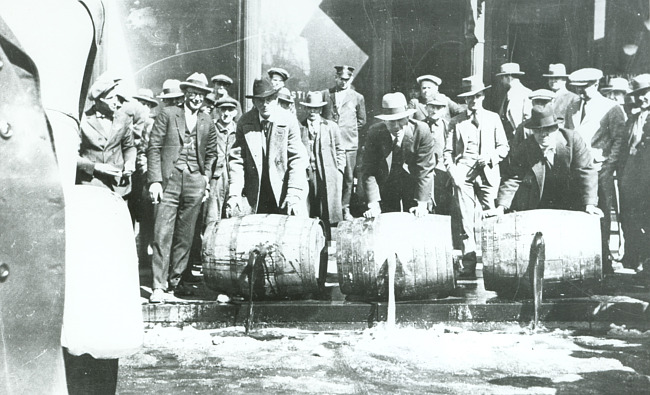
268,161
181,151
551,169
347,108
601,124
475,146
107,153
398,164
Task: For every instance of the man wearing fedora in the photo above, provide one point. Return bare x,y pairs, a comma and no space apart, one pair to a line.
616,90
107,151
601,123
429,90
171,94
551,169
268,161
397,171
221,84
515,106
539,99
347,108
634,180
475,146
326,162
557,78
181,151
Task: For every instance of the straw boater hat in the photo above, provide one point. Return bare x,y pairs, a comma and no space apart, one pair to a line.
541,118
279,71
197,81
261,89
285,95
226,101
429,77
640,83
394,107
584,77
617,84
146,95
222,78
344,71
544,94
556,70
510,69
171,89
472,85
314,100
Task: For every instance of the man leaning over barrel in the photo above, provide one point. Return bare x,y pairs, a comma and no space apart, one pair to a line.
551,169
398,163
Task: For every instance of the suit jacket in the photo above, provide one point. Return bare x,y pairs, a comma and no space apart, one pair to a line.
286,158
516,106
417,148
563,99
114,146
603,128
452,109
349,114
493,142
166,144
573,168
329,158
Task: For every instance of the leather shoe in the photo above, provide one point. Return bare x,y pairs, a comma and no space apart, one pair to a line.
157,296
182,290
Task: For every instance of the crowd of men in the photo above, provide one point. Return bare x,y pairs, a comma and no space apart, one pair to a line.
202,160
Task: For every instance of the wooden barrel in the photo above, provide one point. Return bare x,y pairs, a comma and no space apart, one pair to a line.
572,263
295,267
424,256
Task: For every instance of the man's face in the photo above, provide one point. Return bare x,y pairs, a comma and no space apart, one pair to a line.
226,114
541,103
220,89
207,107
342,82
545,137
555,84
265,105
428,89
474,102
617,96
194,98
435,111
505,81
396,125
277,81
109,102
284,104
643,99
146,107
174,101
587,92
314,113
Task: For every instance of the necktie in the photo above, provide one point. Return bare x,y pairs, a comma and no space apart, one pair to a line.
266,128
549,156
397,153
582,115
474,119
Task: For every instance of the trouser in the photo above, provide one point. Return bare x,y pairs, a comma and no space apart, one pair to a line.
447,204
468,194
397,194
605,200
215,203
88,375
176,217
348,177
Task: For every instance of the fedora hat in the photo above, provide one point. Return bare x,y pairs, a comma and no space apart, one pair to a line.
226,101
541,117
429,77
344,71
221,78
556,70
171,89
472,85
617,84
279,71
585,76
510,69
145,94
261,89
285,95
640,83
314,100
198,81
394,107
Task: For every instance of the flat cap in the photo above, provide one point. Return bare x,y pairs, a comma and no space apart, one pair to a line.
585,76
279,71
544,94
429,77
226,101
221,78
101,86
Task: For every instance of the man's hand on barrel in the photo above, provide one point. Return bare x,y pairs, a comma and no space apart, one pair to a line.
155,192
591,209
494,212
233,207
290,205
420,210
373,210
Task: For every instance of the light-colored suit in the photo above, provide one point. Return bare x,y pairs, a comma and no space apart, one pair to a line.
286,159
515,107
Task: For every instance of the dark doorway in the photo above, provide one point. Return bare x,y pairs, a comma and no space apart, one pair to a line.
534,46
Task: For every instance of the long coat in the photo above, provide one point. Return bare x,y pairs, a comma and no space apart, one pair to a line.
575,176
349,114
326,177
417,148
114,146
32,245
286,157
166,144
493,142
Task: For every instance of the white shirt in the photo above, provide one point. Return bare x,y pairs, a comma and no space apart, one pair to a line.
190,118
